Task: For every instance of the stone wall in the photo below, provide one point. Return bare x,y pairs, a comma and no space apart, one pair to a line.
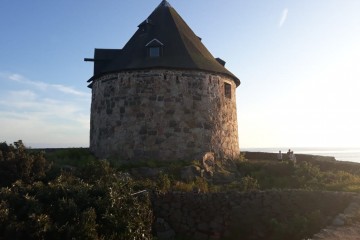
299,157
325,163
225,215
163,114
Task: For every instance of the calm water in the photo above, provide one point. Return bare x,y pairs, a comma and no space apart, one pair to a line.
341,154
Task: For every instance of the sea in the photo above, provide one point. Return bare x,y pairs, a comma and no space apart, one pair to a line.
340,154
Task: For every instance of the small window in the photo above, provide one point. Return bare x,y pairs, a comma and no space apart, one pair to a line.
154,51
154,48
227,90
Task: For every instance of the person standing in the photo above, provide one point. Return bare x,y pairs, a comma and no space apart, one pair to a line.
279,156
293,157
289,154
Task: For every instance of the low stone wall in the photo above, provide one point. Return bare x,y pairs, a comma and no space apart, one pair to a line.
221,215
273,156
325,163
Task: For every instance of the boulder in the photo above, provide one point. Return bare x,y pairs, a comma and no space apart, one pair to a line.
339,220
208,162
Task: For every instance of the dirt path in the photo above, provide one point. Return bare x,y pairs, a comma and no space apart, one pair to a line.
351,232
346,226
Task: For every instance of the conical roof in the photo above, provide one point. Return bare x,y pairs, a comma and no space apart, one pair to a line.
180,47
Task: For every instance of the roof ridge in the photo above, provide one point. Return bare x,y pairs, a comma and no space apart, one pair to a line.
164,3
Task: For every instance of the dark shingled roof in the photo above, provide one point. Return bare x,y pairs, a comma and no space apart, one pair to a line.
180,47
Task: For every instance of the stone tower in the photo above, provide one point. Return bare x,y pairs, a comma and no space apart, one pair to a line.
163,96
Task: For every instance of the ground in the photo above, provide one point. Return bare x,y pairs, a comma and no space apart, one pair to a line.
351,232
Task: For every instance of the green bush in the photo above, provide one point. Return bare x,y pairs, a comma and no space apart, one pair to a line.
305,175
75,157
93,201
72,208
248,183
308,176
163,183
18,163
199,185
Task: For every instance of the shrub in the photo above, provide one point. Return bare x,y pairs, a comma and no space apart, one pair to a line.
248,183
163,183
199,185
92,202
76,157
70,207
18,163
308,176
241,158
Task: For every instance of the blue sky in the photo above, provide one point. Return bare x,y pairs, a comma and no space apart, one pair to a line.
299,63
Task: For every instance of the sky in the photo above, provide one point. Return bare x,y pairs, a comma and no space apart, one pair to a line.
298,62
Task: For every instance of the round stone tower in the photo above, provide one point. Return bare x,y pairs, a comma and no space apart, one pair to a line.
163,96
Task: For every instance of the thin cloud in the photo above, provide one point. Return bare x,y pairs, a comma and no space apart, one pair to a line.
283,17
25,102
45,86
21,79
31,117
37,111
23,94
69,90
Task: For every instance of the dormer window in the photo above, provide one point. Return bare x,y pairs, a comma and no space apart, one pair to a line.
154,51
154,48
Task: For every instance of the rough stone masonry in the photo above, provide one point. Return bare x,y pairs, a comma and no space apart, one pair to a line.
164,114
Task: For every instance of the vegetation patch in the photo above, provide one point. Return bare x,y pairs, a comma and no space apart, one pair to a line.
93,201
68,193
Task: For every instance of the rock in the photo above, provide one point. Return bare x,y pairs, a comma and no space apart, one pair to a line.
190,173
339,220
208,162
